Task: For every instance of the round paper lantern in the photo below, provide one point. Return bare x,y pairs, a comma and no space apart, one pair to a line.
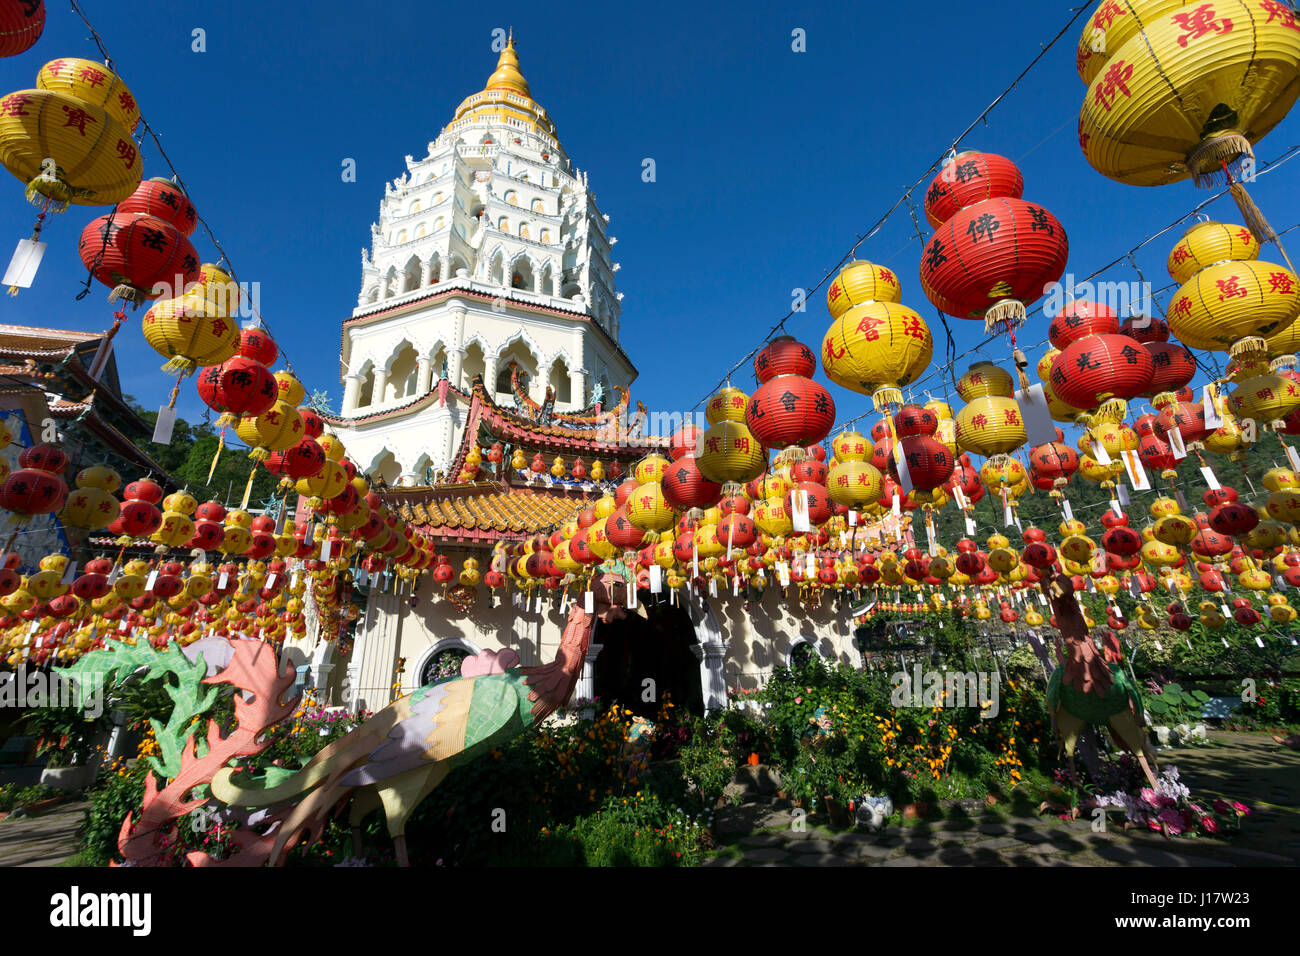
1097,368
790,410
21,23
684,441
1052,463
773,516
1079,319
276,429
968,178
237,387
90,507
96,162
1191,89
138,257
929,463
875,348
685,487
196,329
851,446
731,453
649,509
1267,397
163,199
990,425
992,259
727,405
784,355
860,282
1172,367
1207,243
819,502
1225,303
854,483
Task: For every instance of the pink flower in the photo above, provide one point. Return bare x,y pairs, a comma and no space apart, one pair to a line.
798,700
1241,808
1153,824
1209,824
1223,807
1173,820
1149,797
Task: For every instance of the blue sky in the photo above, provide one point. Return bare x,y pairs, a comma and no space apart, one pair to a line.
769,161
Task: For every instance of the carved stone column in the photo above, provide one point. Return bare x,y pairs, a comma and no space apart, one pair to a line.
424,374
586,688
455,359
490,374
578,388
377,394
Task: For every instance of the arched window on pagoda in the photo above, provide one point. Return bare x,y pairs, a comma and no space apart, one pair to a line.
559,382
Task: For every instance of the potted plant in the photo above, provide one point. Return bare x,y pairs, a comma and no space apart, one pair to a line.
66,740
1175,714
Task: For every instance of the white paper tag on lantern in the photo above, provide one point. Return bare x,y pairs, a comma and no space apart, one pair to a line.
1182,500
1066,509
783,573
1210,402
1210,480
631,596
1007,517
1260,641
1176,444
904,473
1293,457
1224,609
162,429
1036,415
959,496
589,602
1116,507
1158,645
1101,455
844,539
713,587
971,530
270,580
656,579
1224,640
809,567
70,573
799,510
325,549
735,586
896,509
153,577
1042,599
853,515
26,260
121,628
1137,475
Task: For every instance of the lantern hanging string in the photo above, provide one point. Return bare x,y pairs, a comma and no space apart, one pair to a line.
311,398
1077,12
1286,157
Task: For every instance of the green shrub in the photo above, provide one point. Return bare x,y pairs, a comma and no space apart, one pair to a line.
707,767
625,831
113,796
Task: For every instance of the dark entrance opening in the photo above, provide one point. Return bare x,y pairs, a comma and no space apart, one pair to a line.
656,647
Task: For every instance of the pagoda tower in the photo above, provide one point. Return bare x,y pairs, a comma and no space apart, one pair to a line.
490,258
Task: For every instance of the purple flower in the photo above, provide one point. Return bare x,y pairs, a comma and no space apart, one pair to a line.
1223,807
1173,820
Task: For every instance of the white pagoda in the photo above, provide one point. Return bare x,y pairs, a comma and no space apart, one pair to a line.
490,251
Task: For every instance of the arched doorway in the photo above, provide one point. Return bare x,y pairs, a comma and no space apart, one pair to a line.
658,648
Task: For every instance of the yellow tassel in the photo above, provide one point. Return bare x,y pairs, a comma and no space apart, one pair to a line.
180,364
248,488
221,443
42,190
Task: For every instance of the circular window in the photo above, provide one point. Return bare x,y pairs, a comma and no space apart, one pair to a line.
442,665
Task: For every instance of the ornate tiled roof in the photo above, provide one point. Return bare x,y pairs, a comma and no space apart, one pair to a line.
482,512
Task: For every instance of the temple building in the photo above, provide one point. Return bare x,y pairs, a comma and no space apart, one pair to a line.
488,316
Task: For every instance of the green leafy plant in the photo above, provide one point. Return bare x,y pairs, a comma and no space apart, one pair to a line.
1175,705
707,767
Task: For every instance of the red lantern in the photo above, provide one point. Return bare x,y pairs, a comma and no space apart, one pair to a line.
969,178
1100,367
44,458
139,518
1146,329
313,426
819,502
784,356
622,533
990,260
303,460
145,489
237,387
929,462
1079,319
915,420
790,410
685,487
138,256
1187,417
1051,462
163,199
1172,367
1156,454
258,345
21,23
738,529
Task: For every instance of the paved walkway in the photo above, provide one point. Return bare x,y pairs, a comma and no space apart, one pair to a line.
42,841
1250,768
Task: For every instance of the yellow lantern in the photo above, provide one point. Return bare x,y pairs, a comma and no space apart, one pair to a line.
771,517
1208,243
290,389
990,425
519,461
731,453
1170,100
1225,303
196,328
853,483
728,405
1266,397
860,282
876,347
851,446
276,429
329,482
647,508
557,466
90,507
984,379
651,468
67,149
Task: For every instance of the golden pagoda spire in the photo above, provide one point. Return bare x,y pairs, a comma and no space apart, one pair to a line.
507,75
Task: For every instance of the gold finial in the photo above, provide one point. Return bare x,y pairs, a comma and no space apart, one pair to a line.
507,73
